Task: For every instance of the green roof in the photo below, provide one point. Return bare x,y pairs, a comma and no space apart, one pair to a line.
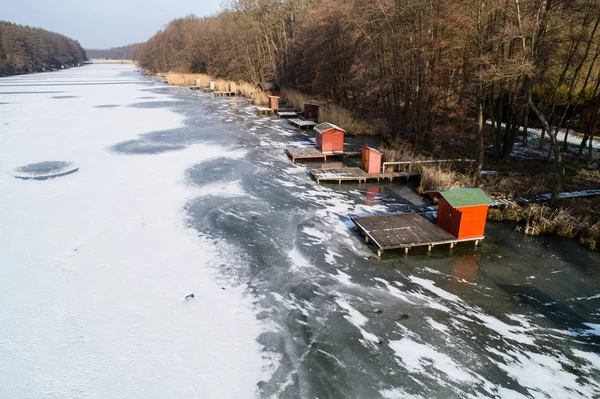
466,197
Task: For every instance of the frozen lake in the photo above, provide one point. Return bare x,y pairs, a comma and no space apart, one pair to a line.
133,195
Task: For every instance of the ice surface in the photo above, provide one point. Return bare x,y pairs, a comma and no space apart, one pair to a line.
95,267
45,170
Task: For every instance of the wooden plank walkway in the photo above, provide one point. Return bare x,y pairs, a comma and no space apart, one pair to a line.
404,230
263,110
305,153
355,175
287,114
302,124
545,197
224,94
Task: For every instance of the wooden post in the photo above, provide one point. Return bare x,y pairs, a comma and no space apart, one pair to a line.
476,242
429,248
406,250
380,253
366,238
451,245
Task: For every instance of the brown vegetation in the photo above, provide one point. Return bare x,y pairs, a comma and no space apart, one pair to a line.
571,218
421,66
435,178
24,49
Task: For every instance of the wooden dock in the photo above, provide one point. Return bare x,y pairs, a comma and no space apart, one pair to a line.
224,94
305,153
355,175
404,230
302,124
263,110
287,114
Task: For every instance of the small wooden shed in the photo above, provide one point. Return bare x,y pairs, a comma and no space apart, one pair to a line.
232,87
462,212
274,102
329,138
270,89
371,159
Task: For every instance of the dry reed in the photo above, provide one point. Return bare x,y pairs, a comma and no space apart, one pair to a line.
189,79
343,118
435,178
293,98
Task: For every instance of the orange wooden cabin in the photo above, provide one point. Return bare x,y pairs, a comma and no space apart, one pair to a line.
329,138
462,212
371,159
274,103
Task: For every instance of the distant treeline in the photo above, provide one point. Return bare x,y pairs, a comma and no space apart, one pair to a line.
427,68
129,52
25,49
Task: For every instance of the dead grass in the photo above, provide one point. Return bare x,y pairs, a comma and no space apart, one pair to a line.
577,217
189,79
401,153
514,186
434,178
185,79
293,98
250,91
343,118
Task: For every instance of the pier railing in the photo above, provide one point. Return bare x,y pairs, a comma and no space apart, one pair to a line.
411,163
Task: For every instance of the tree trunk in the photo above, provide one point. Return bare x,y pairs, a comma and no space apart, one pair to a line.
556,149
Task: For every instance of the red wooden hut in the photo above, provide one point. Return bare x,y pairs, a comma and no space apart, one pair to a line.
329,138
371,159
462,212
274,102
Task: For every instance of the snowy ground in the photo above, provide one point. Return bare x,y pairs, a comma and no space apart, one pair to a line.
95,265
532,150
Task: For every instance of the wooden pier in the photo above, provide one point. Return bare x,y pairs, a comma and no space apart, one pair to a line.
355,175
404,230
287,114
302,124
264,110
224,94
305,154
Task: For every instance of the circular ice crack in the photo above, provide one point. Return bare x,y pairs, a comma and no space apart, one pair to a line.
45,170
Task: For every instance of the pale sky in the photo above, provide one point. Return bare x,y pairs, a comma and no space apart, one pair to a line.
103,23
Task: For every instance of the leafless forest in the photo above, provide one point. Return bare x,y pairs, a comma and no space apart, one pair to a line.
129,52
425,68
24,49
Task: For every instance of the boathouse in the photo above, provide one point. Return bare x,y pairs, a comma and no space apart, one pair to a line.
329,138
462,212
270,89
371,159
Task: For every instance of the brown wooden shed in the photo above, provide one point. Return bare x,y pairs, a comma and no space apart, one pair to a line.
329,138
270,89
